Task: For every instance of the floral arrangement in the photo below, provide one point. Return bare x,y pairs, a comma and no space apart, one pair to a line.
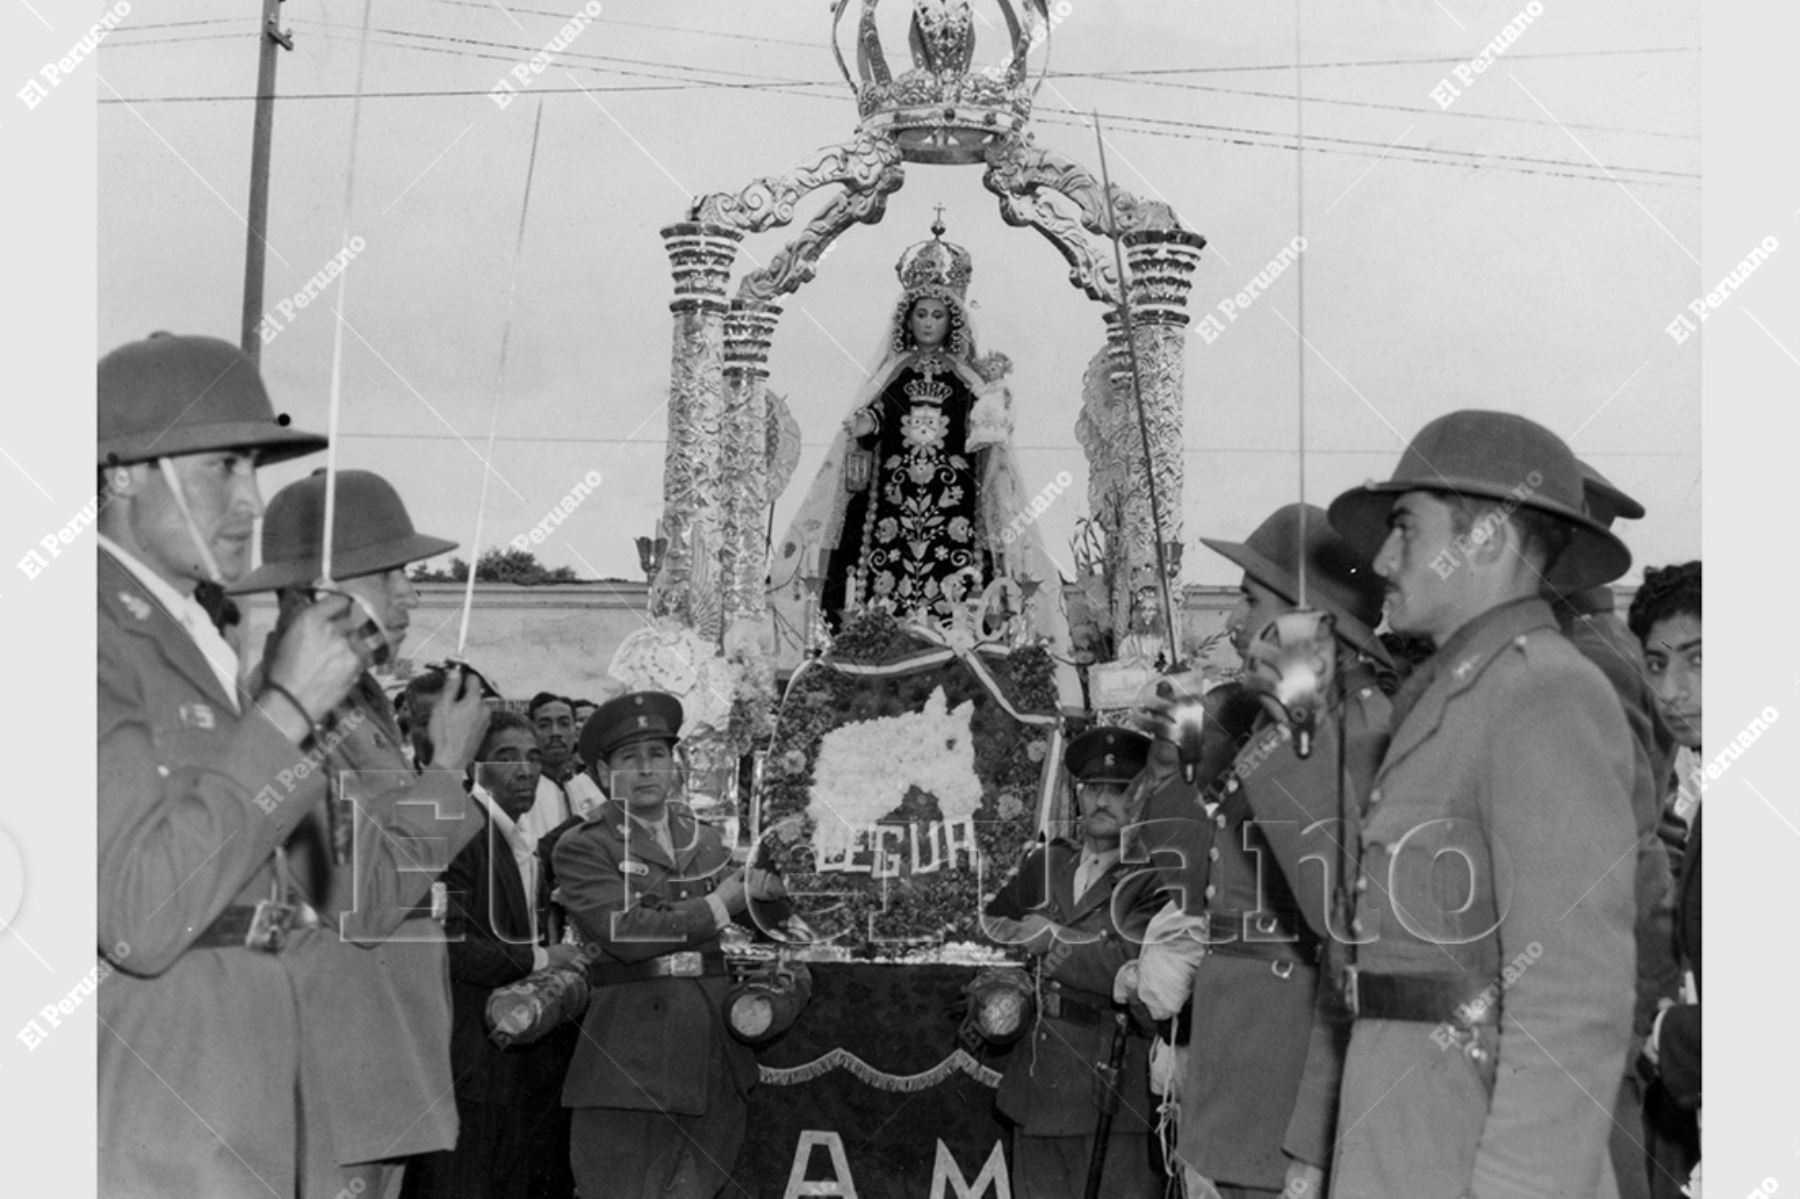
1008,763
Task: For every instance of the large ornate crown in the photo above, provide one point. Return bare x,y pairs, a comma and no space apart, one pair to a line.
947,109
935,267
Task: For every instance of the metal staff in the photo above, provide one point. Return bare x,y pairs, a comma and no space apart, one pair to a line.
369,634
1109,1100
487,467
1137,394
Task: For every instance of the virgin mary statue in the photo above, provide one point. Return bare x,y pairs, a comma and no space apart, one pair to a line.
919,507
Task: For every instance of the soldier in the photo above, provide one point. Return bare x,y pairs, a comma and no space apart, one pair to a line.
1079,910
1493,984
200,783
658,1084
1591,623
1259,1090
372,974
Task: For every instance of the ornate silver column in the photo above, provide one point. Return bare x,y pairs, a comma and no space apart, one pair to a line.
701,255
743,464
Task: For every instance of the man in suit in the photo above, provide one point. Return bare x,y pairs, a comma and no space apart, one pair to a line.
1082,912
493,933
201,782
1493,935
1259,1092
372,971
658,1083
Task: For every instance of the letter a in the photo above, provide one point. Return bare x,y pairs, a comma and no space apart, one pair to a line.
993,1174
840,1182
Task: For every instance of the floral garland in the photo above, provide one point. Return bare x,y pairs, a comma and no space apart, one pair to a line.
1009,761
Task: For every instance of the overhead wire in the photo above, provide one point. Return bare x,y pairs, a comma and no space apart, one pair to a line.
1186,130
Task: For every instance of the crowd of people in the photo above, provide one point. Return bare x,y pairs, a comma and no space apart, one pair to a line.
1421,921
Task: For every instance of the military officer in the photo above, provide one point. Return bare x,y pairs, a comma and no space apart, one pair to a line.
200,783
657,1084
1259,1090
1494,976
372,974
1082,912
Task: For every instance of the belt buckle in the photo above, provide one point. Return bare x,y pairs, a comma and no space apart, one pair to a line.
268,926
1352,1000
685,964
440,902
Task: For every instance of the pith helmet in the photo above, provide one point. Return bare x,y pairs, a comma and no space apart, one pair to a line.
1498,456
1605,502
172,394
1337,577
371,532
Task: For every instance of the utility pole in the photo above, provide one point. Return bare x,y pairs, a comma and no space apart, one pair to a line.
256,246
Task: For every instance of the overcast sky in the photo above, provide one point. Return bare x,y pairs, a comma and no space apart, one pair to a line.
1523,249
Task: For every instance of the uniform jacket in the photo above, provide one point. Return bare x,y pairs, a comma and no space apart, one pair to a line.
1680,1040
490,946
199,1049
641,1047
1604,640
1048,1088
1499,814
1265,1056
374,986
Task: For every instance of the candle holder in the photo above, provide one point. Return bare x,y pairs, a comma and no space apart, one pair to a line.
812,577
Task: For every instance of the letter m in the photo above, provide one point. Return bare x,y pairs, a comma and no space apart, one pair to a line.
945,1173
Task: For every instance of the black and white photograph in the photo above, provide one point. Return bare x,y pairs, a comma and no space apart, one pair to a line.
998,599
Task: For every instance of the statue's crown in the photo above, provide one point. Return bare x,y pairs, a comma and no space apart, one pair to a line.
950,107
936,266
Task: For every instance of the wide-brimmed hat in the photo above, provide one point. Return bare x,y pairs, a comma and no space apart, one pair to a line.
1498,456
1338,578
171,394
630,718
1107,755
371,532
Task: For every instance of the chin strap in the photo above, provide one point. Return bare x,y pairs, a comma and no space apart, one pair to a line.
207,561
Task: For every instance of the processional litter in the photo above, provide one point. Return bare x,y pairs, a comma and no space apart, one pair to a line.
724,598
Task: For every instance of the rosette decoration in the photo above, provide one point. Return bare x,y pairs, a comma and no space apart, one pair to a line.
904,779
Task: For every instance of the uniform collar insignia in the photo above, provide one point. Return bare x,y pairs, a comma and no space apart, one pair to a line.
135,604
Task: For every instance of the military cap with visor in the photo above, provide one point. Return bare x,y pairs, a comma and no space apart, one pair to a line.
371,533
1498,456
1107,755
626,720
172,394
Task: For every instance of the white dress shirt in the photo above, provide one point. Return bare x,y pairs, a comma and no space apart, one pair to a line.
524,852
1092,868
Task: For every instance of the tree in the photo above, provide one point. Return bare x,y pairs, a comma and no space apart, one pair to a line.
499,566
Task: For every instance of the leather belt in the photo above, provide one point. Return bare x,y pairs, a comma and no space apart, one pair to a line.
263,926
1422,998
1081,1007
691,963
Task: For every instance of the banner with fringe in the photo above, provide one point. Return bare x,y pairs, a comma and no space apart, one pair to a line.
876,1058
843,1059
